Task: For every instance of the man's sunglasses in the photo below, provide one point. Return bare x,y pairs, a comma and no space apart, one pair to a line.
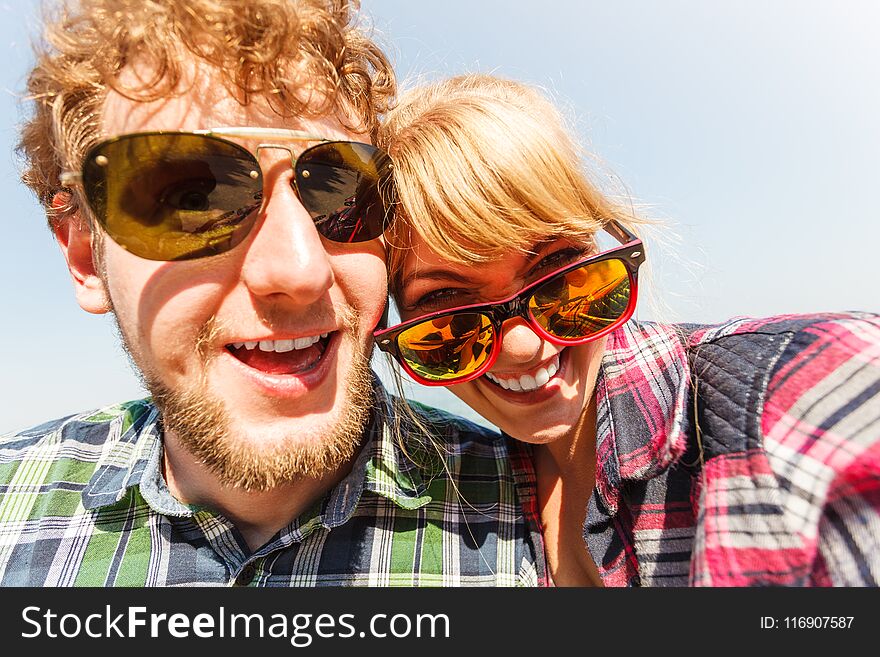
580,302
185,195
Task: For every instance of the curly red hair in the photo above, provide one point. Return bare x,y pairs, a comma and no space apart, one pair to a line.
257,47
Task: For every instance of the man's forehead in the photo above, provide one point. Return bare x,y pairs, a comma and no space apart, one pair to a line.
202,100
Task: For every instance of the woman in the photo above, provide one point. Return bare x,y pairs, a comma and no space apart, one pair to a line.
739,454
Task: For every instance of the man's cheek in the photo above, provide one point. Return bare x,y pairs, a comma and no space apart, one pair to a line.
371,292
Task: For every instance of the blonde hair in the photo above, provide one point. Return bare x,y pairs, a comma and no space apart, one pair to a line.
257,47
483,166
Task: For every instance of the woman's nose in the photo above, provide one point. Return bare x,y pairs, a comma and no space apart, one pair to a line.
519,343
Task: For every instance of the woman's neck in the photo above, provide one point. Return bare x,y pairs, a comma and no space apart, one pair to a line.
566,473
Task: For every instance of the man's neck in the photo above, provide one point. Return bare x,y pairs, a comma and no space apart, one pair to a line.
258,515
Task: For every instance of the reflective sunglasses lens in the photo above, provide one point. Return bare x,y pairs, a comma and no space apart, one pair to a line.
449,347
584,301
173,196
346,188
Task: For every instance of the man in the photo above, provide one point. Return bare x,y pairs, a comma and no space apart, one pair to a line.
207,174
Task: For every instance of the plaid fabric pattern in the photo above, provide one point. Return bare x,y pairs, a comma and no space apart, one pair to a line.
83,503
741,454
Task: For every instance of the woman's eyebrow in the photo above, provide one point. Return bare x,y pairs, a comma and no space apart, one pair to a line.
438,274
441,274
538,248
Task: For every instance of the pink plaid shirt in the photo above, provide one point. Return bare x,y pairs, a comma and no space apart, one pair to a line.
746,453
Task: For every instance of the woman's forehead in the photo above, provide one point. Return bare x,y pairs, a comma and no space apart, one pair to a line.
421,261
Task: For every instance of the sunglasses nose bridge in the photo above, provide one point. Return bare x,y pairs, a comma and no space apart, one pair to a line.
516,307
283,147
502,312
291,155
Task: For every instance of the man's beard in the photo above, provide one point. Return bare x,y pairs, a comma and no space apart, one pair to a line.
203,426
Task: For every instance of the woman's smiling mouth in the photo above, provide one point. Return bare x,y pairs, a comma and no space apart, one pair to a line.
531,381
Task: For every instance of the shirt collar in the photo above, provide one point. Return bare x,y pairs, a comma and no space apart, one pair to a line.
131,450
641,406
382,466
133,457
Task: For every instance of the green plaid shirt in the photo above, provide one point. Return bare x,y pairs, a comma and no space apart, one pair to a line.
83,503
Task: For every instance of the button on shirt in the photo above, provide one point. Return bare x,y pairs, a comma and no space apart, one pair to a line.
83,503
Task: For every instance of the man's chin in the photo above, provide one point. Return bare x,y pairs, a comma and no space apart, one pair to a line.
276,451
260,451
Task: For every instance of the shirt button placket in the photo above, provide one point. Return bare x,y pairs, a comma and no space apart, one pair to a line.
246,576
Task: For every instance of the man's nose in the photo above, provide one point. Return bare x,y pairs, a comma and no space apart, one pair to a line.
519,343
286,257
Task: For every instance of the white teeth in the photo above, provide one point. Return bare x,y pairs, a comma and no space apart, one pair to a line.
526,382
324,335
304,343
283,345
500,382
280,346
542,376
238,345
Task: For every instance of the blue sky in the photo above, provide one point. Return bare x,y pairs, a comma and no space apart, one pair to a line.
751,127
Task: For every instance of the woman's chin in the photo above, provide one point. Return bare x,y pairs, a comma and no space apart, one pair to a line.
543,415
543,435
536,423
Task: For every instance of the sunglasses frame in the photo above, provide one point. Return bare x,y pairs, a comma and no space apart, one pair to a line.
631,253
222,134
71,178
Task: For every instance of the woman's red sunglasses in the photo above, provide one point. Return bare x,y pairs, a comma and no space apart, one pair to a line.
580,302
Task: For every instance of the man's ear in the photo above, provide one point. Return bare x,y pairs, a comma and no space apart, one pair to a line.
75,239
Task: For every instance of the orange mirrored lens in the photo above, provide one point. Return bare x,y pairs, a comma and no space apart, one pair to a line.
582,302
449,347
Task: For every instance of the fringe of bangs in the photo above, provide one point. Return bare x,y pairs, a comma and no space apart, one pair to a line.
477,227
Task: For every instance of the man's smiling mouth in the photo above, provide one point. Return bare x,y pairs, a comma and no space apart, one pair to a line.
286,356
